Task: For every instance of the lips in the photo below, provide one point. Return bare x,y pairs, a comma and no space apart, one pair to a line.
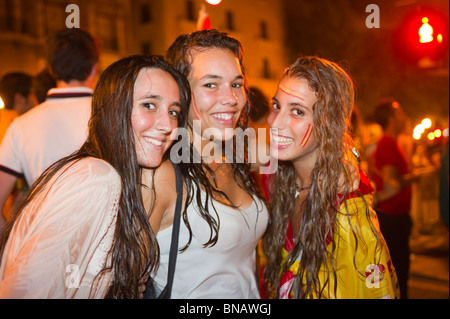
157,142
224,117
282,140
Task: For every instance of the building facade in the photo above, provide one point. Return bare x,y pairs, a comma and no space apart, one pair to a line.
125,27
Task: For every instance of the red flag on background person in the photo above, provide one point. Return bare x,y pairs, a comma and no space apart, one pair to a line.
204,22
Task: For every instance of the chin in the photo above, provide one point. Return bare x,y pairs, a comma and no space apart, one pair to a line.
150,164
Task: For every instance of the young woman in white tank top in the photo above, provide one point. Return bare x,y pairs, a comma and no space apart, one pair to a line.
223,216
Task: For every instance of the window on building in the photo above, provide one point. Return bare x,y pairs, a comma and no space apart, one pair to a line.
190,10
108,32
229,20
7,15
55,17
146,13
263,30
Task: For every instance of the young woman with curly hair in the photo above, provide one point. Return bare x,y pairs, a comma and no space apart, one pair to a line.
323,238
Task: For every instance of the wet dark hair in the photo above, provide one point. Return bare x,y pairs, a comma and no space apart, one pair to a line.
334,90
180,54
135,251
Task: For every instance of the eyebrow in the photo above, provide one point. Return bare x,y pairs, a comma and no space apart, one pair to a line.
159,98
218,77
274,99
151,96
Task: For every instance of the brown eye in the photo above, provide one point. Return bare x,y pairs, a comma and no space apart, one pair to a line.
297,112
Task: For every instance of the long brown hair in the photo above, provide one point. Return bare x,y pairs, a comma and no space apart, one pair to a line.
135,251
335,98
180,55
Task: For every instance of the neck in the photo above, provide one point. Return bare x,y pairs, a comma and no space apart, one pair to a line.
209,150
303,175
304,166
73,83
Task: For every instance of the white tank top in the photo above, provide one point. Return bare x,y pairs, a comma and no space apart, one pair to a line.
225,270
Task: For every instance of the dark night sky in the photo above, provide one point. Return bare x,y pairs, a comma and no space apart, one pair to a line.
336,30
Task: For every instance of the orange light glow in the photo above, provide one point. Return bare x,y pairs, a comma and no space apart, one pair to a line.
213,2
437,133
426,123
430,136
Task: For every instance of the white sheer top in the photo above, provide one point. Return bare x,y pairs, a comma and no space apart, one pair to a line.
226,270
60,242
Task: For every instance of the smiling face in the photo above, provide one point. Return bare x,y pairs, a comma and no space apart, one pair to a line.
217,86
156,107
291,121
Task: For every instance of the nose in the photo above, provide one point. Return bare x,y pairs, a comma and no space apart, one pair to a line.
163,123
229,96
278,120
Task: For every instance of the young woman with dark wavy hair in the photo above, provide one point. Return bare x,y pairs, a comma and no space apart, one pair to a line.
83,230
323,238
224,216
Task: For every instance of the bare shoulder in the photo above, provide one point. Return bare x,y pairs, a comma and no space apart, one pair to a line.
165,196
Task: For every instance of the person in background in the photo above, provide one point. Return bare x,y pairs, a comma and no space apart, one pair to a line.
390,172
323,239
57,127
18,98
42,83
83,230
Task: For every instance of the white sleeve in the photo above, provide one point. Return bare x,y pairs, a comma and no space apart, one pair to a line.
10,148
60,242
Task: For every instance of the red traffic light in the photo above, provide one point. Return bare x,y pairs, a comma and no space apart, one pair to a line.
426,32
422,34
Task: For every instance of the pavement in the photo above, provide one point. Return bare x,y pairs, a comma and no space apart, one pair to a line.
429,269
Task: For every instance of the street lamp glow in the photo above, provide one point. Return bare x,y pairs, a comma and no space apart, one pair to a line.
437,132
416,135
213,2
2,105
419,129
426,123
445,132
430,136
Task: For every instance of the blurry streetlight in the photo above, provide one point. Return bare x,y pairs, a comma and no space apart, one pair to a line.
426,123
419,129
437,133
430,136
213,2
445,132
417,135
2,105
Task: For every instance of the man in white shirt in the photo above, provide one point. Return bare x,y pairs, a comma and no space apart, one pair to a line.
57,127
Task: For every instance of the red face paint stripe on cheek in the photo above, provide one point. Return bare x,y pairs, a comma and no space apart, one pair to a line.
290,92
307,135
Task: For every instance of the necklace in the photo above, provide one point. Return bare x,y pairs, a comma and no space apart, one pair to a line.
298,189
